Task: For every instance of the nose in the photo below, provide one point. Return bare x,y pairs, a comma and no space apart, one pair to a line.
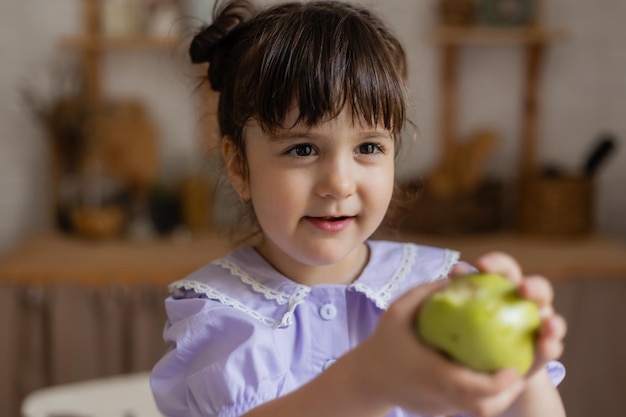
336,179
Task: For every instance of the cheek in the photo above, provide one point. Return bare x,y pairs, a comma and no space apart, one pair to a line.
380,185
274,195
383,199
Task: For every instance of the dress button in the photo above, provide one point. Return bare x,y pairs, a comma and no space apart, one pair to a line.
328,363
328,311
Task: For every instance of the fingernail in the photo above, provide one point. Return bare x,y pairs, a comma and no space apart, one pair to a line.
460,269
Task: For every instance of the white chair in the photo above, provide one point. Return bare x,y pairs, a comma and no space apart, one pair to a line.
126,395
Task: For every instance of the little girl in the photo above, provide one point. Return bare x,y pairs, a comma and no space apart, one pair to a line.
314,318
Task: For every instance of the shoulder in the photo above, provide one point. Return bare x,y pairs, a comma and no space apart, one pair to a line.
221,321
395,267
241,284
425,263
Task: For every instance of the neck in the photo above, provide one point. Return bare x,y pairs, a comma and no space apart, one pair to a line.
343,272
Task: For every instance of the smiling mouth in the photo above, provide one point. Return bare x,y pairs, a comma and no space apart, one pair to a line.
331,223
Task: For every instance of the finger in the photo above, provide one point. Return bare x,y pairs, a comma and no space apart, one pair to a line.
539,290
555,327
496,404
550,342
549,350
461,269
500,263
471,384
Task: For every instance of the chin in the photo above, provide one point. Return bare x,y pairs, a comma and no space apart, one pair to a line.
327,253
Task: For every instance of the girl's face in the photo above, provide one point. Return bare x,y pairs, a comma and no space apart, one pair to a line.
318,193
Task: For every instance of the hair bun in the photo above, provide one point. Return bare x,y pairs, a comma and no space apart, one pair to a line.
200,50
226,18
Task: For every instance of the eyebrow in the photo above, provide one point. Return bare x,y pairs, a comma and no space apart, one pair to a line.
378,135
291,136
295,136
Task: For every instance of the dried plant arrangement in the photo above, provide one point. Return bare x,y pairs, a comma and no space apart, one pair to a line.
64,114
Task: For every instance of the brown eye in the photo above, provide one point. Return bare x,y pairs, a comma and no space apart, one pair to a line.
302,150
368,148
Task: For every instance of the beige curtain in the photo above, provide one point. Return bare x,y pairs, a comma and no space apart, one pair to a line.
595,350
59,334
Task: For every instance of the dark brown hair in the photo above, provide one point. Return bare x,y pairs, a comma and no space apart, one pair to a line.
321,55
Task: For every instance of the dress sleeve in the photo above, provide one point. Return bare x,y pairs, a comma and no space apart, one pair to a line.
220,364
556,372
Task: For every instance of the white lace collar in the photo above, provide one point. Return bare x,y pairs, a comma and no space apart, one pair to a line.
260,277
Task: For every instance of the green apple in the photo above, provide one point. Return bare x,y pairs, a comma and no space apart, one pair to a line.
480,320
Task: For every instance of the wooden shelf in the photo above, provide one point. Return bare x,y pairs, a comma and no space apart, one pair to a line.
119,43
495,36
104,262
533,40
59,259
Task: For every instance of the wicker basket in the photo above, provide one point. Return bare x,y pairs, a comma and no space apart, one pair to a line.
479,212
557,206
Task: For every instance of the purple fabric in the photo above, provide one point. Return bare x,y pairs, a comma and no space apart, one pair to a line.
243,334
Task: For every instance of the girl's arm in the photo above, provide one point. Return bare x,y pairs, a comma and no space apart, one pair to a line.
538,399
336,392
393,368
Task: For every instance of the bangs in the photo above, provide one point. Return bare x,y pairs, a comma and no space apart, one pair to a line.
321,62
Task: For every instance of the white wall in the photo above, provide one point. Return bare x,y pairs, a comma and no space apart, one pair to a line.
584,94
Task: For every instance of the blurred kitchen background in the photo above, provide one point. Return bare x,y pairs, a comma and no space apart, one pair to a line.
109,180
580,98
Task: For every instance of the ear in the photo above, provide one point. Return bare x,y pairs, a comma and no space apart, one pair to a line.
234,168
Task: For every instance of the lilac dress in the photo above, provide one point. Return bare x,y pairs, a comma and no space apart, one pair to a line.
244,334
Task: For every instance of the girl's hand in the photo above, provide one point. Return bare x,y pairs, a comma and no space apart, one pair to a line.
394,368
549,345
